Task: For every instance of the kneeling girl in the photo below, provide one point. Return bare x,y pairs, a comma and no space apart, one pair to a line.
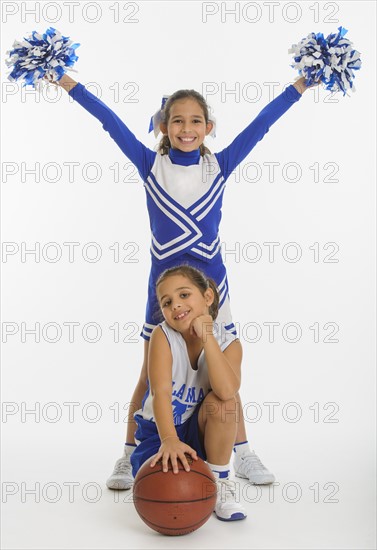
194,373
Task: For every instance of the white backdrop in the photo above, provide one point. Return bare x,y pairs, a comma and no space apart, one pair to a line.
298,242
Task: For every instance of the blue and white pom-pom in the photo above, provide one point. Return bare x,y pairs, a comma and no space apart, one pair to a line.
330,60
38,56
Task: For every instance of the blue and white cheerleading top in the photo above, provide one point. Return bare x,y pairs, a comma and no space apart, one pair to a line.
189,386
184,193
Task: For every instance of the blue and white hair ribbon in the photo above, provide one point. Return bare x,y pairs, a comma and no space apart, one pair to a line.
212,119
156,120
38,56
330,60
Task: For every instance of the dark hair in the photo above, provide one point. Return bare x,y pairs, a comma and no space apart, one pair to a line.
198,279
164,144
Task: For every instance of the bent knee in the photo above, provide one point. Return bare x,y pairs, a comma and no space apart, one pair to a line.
219,409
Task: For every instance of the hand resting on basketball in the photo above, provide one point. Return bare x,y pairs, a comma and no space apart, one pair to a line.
173,449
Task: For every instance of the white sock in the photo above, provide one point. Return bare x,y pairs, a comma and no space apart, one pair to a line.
242,449
220,471
129,449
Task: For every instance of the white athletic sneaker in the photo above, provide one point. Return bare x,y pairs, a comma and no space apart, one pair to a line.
250,467
121,478
227,509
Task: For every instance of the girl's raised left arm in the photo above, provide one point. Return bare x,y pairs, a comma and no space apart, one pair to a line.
230,157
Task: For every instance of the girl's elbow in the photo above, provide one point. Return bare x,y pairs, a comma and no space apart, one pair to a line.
158,392
227,394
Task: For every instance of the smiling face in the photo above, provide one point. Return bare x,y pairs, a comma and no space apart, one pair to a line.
187,126
181,301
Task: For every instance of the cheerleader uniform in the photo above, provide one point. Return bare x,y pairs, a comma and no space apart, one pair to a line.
184,193
189,388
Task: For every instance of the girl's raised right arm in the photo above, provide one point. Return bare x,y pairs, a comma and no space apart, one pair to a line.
142,157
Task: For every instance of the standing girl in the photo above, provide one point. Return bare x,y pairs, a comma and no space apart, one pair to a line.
194,376
184,185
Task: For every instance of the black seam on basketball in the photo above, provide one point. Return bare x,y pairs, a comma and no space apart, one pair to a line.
191,526
175,501
182,470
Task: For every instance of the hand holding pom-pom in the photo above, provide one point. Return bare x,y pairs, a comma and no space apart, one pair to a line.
41,57
330,60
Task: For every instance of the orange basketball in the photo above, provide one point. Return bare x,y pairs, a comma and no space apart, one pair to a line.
175,504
